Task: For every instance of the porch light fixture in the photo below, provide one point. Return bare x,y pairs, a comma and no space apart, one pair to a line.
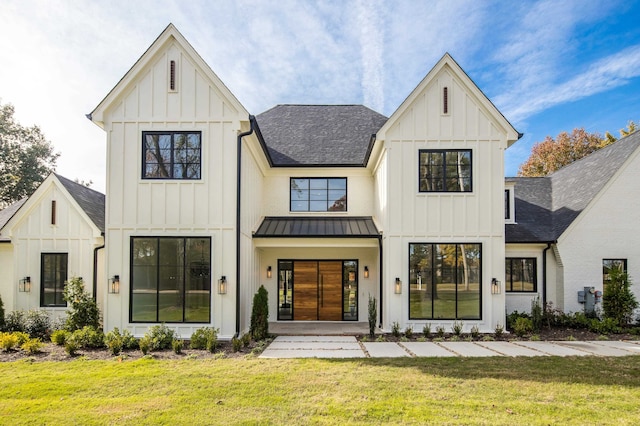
222,285
495,286
366,272
114,287
24,286
268,271
398,287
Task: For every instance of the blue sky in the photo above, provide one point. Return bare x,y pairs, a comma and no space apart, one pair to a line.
548,66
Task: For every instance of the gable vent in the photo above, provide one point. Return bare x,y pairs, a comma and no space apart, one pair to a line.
445,100
53,212
172,75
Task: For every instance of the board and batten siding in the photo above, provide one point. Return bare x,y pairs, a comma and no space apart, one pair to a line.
163,207
410,216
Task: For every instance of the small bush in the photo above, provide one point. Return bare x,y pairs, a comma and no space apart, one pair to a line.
498,331
116,341
426,330
8,341
145,344
212,341
408,332
161,337
237,344
32,346
87,337
475,332
259,328
395,329
246,340
537,314
37,323
372,316
71,347
177,346
606,326
618,301
440,331
1,315
522,326
58,337
456,328
513,317
200,337
14,321
83,310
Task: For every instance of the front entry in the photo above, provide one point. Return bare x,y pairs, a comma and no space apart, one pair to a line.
317,290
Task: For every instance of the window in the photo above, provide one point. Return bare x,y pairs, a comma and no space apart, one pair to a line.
52,278
170,279
445,171
318,194
445,281
608,265
171,155
507,204
520,274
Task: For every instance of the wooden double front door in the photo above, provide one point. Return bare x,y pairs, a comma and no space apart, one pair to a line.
317,292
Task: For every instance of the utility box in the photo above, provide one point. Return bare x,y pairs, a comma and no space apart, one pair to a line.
588,297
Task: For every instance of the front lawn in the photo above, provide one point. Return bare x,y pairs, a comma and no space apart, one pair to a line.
544,390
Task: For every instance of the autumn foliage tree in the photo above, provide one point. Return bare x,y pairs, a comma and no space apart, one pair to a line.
26,158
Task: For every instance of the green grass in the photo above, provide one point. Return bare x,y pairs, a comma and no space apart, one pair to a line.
545,390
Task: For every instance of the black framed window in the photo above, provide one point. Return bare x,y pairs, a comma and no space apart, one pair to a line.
608,265
53,276
171,155
445,281
445,170
521,274
318,194
507,204
170,279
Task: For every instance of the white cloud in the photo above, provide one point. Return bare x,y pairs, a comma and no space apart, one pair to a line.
369,20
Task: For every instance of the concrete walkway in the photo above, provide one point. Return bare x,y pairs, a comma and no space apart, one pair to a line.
348,347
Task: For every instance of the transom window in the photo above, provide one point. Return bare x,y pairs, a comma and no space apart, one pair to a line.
318,194
445,170
171,155
520,274
170,279
445,281
53,277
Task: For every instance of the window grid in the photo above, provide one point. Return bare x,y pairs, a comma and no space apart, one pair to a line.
171,155
445,170
318,195
521,275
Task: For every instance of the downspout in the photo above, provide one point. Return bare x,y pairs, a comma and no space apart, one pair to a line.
381,275
544,276
238,234
95,270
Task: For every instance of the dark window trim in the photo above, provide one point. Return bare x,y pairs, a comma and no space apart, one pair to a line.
42,256
444,170
507,204
408,284
508,287
184,272
346,193
171,162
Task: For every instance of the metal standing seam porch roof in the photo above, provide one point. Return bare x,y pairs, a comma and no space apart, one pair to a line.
310,227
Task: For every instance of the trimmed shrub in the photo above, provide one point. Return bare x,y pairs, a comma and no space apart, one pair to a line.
37,323
440,331
177,346
259,328
408,332
373,316
8,341
246,340
83,310
71,347
537,314
14,321
618,301
145,344
58,337
199,338
426,330
498,331
237,344
32,346
456,328
87,337
522,326
395,329
161,337
475,332
116,341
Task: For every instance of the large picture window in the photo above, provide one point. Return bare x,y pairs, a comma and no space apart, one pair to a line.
520,274
318,194
170,279
53,277
445,281
445,170
171,155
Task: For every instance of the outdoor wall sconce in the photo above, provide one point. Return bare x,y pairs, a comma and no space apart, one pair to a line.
114,288
366,272
222,285
495,286
24,286
268,271
398,288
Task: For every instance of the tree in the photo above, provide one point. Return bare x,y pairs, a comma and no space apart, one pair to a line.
259,328
26,158
618,301
552,154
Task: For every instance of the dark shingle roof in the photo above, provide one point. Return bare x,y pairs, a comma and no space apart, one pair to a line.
545,207
319,135
92,202
7,213
336,227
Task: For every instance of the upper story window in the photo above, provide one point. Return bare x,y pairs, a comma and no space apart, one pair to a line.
318,194
509,203
171,155
445,170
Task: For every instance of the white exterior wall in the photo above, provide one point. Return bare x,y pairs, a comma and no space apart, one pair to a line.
409,216
8,285
32,234
604,230
199,208
521,302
